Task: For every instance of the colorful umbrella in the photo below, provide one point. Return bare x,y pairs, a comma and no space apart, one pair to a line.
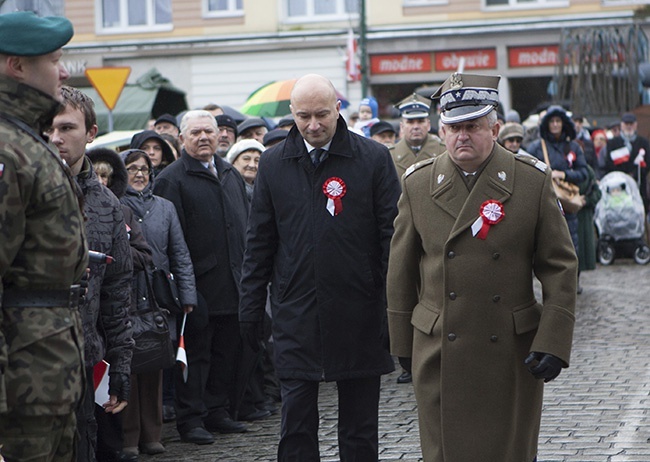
272,100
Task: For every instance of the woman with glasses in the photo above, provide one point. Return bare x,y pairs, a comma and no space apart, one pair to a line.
162,230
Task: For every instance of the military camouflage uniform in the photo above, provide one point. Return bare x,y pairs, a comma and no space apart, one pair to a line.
404,156
43,248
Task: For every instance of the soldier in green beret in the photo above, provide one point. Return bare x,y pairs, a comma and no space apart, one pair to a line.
474,225
43,255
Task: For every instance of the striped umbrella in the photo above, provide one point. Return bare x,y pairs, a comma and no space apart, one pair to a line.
272,99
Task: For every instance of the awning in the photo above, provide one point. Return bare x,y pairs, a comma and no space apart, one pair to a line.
151,96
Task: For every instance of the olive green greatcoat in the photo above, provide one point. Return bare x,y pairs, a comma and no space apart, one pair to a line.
403,156
465,310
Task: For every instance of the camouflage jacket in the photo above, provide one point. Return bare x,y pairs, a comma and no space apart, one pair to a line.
106,324
43,247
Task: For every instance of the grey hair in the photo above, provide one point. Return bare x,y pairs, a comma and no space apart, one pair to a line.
197,114
492,118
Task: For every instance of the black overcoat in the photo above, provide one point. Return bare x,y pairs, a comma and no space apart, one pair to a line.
213,214
327,272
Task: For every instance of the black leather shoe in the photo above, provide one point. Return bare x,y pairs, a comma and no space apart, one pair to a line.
257,414
225,425
197,435
406,377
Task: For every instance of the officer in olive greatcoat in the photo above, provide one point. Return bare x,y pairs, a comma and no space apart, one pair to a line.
417,143
43,253
474,225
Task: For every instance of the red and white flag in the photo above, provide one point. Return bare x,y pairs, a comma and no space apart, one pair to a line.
640,158
100,382
620,155
352,65
181,354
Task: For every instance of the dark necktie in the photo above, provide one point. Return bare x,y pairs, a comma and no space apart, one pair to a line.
317,156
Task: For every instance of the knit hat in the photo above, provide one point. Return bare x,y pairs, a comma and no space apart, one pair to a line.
243,146
511,130
372,104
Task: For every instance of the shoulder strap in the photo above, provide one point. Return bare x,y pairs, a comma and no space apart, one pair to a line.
548,162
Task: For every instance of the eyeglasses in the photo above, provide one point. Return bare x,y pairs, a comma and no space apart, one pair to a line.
133,170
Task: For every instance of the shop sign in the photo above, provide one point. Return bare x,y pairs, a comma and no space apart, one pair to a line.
400,63
546,55
473,59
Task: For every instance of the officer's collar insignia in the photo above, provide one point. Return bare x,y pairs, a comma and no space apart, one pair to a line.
502,175
441,177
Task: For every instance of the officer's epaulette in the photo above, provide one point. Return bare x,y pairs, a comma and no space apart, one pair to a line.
531,160
418,165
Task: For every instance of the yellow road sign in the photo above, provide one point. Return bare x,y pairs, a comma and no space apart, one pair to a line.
109,82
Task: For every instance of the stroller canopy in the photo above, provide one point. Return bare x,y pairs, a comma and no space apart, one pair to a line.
620,213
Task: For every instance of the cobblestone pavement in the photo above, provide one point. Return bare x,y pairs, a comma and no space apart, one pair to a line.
595,411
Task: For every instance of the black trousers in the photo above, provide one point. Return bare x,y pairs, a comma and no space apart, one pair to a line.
213,352
357,426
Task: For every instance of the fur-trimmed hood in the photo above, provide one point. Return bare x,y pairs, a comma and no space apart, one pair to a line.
120,179
568,128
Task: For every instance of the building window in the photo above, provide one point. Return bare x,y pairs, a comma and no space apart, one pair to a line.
223,8
40,7
321,10
525,3
135,15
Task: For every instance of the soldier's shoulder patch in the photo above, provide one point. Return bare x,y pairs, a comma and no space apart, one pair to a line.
532,161
418,165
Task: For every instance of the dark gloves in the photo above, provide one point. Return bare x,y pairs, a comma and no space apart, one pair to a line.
119,384
543,365
83,284
250,334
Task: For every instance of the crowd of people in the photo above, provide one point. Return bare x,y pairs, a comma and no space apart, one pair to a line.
305,252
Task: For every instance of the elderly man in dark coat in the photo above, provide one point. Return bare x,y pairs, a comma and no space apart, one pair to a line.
474,225
210,198
319,231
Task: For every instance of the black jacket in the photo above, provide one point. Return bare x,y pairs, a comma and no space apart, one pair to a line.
327,272
213,214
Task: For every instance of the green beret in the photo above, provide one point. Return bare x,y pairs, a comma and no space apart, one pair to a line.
25,34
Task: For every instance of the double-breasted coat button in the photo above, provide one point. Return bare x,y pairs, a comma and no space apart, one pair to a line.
495,256
496,298
451,254
494,338
452,295
451,337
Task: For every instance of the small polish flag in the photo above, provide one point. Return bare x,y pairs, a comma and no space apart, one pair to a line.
181,354
100,382
620,155
352,64
640,158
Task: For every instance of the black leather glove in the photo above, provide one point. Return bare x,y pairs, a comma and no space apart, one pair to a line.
543,365
119,384
250,334
83,284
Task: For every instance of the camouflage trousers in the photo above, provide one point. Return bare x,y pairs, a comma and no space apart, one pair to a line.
49,438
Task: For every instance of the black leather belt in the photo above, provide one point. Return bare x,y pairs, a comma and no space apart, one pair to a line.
48,298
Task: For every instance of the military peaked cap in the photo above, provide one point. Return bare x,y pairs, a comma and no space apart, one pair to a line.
467,96
414,107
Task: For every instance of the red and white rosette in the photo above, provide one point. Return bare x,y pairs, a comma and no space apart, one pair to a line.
334,189
491,213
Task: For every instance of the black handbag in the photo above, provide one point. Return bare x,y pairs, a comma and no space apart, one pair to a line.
153,348
166,292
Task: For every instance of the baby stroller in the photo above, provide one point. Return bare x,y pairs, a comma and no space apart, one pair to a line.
620,220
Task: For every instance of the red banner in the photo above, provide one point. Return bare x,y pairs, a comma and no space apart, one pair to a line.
400,63
545,55
474,59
